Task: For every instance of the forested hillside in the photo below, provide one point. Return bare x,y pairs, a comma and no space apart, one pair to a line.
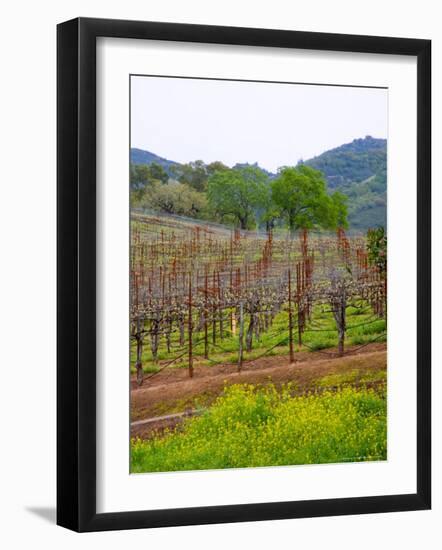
358,170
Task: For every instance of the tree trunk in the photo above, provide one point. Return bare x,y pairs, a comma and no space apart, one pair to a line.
190,330
339,306
249,337
154,338
181,329
341,342
139,364
168,335
241,336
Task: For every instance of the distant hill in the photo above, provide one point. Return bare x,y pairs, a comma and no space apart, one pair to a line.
359,170
139,156
353,162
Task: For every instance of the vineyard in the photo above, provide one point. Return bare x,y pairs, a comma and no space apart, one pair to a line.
207,297
199,290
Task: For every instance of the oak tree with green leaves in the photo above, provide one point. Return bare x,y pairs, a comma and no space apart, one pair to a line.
340,210
174,198
301,195
236,193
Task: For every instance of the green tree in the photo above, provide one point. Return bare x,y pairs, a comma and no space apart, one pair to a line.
157,172
193,174
175,198
215,166
139,176
139,179
142,175
377,248
340,210
301,195
236,193
269,212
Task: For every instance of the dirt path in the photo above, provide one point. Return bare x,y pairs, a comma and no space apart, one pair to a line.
181,374
172,391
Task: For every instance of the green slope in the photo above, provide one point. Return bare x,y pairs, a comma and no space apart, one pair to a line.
359,170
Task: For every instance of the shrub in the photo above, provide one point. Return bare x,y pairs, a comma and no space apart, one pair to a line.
259,426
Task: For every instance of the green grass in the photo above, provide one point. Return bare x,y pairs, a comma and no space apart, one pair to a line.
260,426
353,377
200,401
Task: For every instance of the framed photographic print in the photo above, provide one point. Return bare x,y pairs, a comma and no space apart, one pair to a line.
243,274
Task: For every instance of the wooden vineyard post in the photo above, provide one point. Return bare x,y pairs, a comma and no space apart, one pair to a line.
213,310
292,356
206,313
136,290
341,331
190,328
241,335
298,293
339,311
232,315
139,363
221,324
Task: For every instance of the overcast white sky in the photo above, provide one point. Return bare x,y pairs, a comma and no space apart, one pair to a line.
272,124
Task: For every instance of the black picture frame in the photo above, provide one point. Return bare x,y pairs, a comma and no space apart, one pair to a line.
76,274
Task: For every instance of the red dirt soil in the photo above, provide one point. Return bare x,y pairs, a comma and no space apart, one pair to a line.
171,390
